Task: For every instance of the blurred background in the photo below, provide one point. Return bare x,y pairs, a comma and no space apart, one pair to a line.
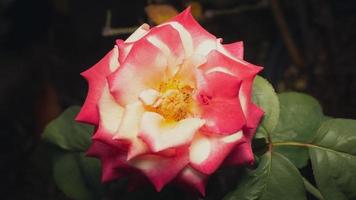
303,45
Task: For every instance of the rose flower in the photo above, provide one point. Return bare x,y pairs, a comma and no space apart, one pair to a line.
171,103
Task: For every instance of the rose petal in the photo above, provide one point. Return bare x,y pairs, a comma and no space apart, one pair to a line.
96,77
205,47
236,49
106,137
192,178
143,68
124,49
218,102
241,155
223,117
108,155
208,152
160,135
149,97
218,62
161,170
239,68
187,69
219,84
167,39
255,116
252,112
110,112
125,46
129,129
195,38
138,34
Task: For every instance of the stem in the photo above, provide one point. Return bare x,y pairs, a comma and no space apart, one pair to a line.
292,144
240,9
312,190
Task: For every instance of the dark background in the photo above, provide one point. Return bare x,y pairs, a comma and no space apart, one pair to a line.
304,45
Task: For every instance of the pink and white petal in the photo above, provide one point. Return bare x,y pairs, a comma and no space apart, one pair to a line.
102,135
110,112
124,49
149,97
205,47
218,61
255,116
231,53
160,135
187,40
125,46
217,99
144,67
108,155
245,97
222,116
188,69
192,178
241,155
110,117
193,36
129,129
198,33
236,49
167,39
129,125
138,34
161,170
252,112
207,152
219,84
96,78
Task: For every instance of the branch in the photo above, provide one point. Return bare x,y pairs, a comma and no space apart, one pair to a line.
287,38
237,10
109,31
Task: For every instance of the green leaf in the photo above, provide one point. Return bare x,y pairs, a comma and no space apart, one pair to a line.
333,156
299,156
77,176
300,117
264,96
275,178
68,134
91,172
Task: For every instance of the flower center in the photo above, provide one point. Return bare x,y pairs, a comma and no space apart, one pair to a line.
175,101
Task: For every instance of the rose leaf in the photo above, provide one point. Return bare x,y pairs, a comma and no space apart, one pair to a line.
333,157
76,175
274,178
68,134
299,119
265,97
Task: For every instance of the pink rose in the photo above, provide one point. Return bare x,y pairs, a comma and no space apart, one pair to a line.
171,103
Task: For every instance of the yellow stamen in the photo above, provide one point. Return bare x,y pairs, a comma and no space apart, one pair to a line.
175,101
